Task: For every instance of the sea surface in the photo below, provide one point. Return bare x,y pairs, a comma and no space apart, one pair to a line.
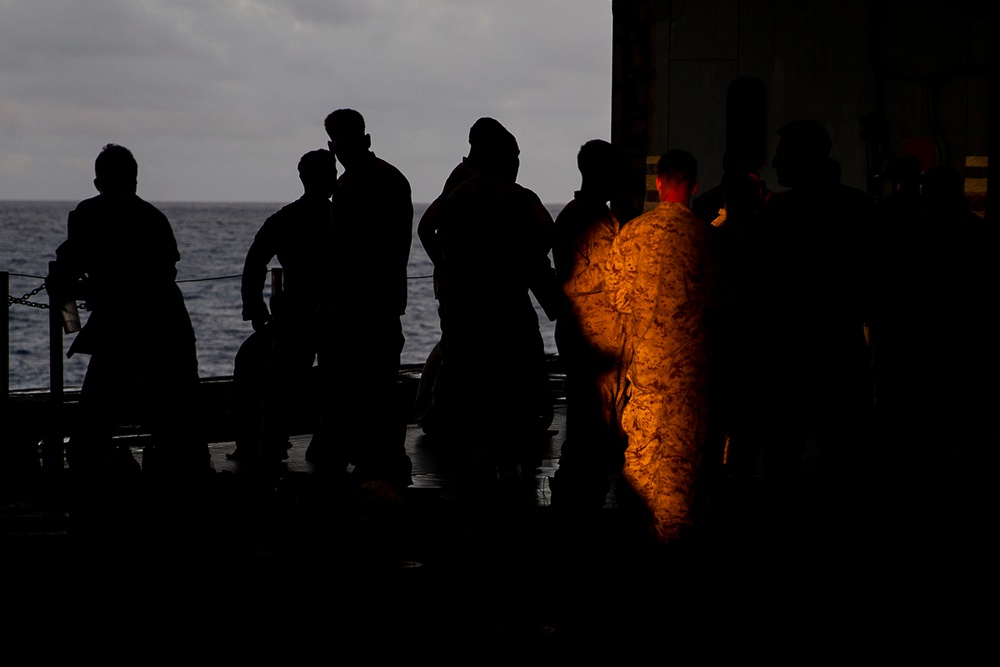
213,239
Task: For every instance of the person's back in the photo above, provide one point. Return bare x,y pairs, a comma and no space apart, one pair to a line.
807,264
494,247
301,236
270,374
814,252
494,237
805,363
126,250
373,210
656,280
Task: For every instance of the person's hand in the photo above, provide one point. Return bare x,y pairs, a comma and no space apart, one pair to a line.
262,319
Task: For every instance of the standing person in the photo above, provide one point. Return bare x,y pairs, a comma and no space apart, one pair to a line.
125,249
487,140
273,365
805,303
373,210
494,237
588,333
656,280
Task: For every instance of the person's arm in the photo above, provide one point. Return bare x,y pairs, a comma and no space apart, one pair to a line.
402,250
427,231
261,252
619,275
71,259
544,284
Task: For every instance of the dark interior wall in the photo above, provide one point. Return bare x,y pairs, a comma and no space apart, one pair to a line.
916,72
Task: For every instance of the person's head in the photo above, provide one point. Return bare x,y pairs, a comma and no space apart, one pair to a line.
115,171
802,152
677,176
493,149
348,140
318,172
602,167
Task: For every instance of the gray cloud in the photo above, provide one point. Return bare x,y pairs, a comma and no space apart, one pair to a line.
218,99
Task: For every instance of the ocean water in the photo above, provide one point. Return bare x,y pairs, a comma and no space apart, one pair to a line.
213,239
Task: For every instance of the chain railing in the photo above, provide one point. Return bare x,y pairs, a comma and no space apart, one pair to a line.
26,300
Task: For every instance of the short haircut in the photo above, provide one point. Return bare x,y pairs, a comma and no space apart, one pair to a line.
677,165
317,162
344,123
116,166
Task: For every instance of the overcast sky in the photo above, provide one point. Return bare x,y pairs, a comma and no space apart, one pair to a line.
218,99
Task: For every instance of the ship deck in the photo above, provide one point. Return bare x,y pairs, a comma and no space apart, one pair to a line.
249,563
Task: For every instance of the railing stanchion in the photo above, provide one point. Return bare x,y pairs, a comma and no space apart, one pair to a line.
5,344
52,446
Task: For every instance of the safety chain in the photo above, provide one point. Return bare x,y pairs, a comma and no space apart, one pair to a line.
23,300
11,300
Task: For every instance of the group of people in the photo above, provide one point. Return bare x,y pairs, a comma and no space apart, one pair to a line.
629,304
633,341
369,206
732,327
124,251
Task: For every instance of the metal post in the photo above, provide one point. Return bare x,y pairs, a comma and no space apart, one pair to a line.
5,345
52,446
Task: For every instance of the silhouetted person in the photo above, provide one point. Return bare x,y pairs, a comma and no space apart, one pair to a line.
933,334
272,366
487,139
373,212
729,209
964,364
588,333
902,263
138,334
656,280
494,237
805,359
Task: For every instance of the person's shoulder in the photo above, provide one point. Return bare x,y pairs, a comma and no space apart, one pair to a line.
570,212
461,173
388,170
117,205
88,206
291,208
637,224
526,195
149,208
93,202
686,213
